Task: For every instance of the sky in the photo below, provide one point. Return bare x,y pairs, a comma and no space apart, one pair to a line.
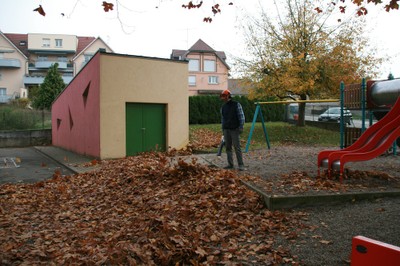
155,27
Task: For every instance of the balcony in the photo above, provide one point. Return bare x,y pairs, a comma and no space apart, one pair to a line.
37,80
33,80
47,64
10,63
4,98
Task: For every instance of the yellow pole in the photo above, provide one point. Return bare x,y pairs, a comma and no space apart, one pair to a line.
301,101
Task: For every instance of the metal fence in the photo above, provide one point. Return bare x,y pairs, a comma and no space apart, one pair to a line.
16,118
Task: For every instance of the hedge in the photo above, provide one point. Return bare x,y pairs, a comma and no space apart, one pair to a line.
205,109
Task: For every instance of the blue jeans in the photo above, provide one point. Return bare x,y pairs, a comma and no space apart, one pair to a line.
232,138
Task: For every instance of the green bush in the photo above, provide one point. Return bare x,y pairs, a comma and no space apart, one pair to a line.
17,118
205,109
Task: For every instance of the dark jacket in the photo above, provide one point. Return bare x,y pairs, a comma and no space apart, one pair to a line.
230,116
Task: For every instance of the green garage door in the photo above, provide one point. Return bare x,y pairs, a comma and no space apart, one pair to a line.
145,127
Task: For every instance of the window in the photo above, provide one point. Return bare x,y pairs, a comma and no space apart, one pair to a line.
212,80
209,66
45,42
88,57
1,55
3,91
62,59
192,80
58,42
194,65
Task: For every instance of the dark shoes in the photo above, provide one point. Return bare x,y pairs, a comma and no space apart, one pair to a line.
241,167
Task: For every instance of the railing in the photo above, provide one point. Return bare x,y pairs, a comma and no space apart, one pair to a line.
48,64
33,80
67,77
9,62
5,98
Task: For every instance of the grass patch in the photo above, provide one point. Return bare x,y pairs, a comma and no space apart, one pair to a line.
279,133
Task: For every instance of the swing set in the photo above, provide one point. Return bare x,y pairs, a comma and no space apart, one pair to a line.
258,111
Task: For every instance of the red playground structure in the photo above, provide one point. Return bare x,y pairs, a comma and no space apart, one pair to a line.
369,252
377,138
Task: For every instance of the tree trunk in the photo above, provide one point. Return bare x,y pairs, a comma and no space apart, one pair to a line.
301,121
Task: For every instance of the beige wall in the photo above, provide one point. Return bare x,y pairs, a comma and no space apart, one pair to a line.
79,61
11,78
141,80
35,42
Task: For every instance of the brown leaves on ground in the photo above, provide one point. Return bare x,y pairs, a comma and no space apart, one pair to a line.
141,210
303,183
203,139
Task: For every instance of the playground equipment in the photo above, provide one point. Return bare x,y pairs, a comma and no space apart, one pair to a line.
259,112
366,251
374,141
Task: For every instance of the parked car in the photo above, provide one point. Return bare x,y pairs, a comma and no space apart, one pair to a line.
333,115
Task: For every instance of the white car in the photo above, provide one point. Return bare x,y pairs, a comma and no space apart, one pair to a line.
333,115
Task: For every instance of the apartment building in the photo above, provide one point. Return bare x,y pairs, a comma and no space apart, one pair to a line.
26,58
208,70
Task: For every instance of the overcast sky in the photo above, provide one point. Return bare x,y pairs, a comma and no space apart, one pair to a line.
155,27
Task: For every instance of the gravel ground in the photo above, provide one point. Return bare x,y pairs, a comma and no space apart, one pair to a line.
326,240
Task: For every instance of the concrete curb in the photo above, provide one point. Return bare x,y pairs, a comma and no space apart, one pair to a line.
55,160
70,160
276,202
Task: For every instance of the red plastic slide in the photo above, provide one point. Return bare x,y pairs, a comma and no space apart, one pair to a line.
372,143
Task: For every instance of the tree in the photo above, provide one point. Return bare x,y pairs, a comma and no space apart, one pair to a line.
300,55
51,87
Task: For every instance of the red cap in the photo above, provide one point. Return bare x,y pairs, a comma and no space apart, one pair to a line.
225,92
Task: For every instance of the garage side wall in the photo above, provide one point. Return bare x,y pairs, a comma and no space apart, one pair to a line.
131,79
75,113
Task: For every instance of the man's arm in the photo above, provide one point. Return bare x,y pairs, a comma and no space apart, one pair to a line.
240,115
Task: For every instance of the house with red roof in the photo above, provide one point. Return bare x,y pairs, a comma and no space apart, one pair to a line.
26,58
208,70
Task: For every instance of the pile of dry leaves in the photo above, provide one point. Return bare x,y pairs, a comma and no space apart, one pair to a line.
142,210
203,139
156,210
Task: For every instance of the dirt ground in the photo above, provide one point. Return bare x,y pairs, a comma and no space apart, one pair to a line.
327,239
286,159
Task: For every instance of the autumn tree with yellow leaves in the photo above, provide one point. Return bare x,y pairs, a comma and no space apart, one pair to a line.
304,54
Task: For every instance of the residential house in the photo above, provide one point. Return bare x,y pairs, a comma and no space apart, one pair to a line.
26,58
208,70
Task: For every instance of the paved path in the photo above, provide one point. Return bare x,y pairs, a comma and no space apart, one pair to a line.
33,164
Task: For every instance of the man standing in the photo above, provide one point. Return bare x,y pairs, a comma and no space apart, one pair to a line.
232,126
